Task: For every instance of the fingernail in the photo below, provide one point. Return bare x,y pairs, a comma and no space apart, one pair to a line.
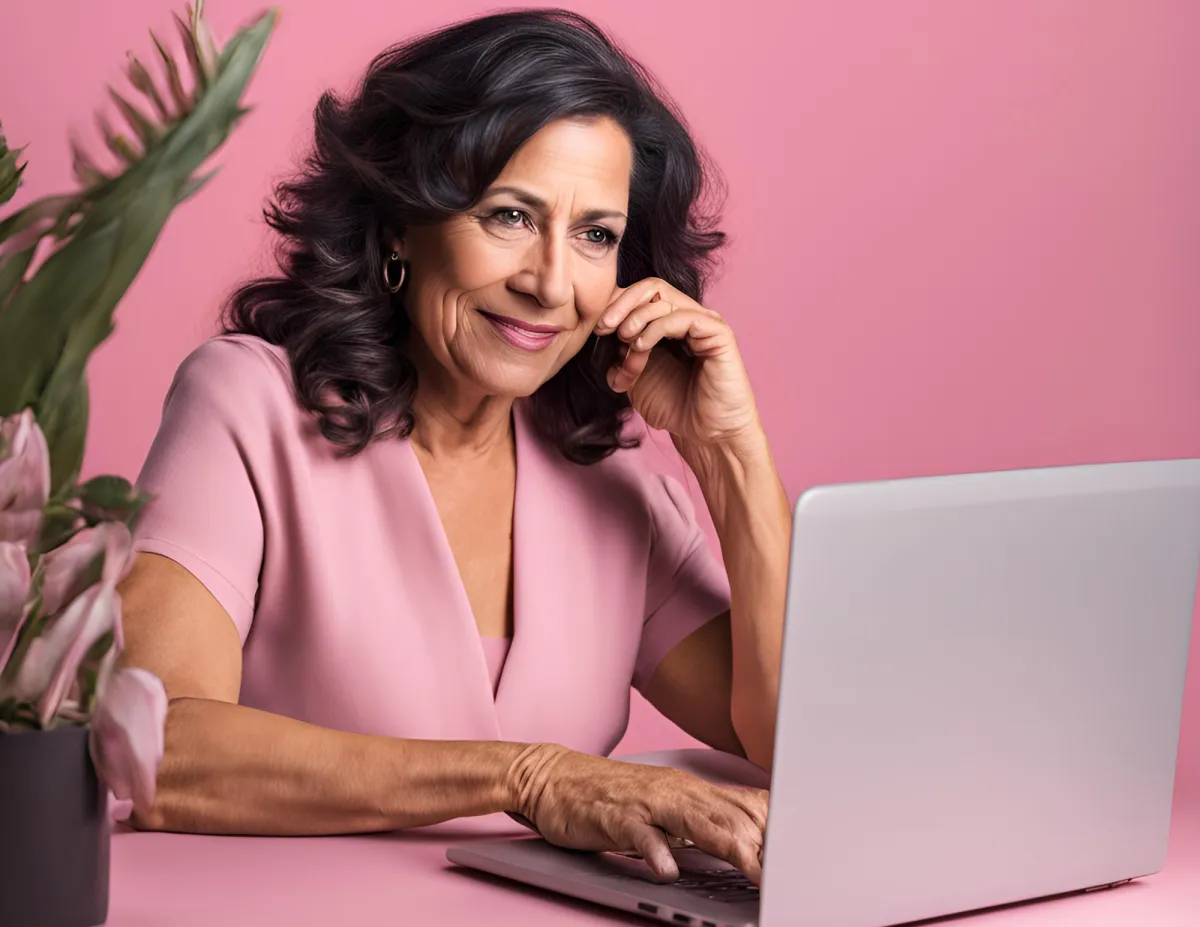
608,321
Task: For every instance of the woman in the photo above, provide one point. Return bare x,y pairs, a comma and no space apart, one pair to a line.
404,473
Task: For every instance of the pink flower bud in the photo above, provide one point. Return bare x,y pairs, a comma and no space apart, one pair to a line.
52,661
66,567
127,735
24,478
14,592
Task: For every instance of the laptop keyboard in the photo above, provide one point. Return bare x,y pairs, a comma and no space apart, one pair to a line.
727,885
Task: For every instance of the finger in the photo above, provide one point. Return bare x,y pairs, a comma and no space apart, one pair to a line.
650,289
628,298
720,829
700,332
747,856
641,316
652,844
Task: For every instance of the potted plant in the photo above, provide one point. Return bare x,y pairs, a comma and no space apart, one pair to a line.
73,725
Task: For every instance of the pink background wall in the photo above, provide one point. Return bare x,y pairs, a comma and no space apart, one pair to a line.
965,236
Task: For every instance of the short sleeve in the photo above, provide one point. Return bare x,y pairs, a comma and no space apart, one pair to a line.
204,510
686,584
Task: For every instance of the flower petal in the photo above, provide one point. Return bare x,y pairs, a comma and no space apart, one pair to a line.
24,477
14,593
127,735
21,526
53,658
66,567
14,583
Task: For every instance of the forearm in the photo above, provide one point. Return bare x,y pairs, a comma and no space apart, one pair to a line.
230,769
752,516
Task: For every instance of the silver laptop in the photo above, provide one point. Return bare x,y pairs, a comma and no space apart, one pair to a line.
982,685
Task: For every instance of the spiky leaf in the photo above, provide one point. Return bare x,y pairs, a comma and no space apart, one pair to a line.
10,170
54,321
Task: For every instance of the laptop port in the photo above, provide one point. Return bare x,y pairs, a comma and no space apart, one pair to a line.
648,908
682,919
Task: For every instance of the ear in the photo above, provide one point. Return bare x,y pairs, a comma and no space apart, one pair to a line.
397,245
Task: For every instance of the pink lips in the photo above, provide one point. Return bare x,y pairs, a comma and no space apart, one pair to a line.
522,335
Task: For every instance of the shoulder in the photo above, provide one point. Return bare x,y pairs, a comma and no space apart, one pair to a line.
236,373
234,359
240,384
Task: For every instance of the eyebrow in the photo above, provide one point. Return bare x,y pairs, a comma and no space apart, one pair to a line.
536,202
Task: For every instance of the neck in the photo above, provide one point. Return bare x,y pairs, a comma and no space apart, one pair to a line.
453,420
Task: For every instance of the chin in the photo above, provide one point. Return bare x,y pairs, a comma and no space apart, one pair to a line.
514,380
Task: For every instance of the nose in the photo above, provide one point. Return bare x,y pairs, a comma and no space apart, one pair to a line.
546,272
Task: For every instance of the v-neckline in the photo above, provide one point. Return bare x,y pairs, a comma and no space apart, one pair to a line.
464,615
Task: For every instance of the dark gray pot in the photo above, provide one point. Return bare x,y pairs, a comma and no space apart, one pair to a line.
54,831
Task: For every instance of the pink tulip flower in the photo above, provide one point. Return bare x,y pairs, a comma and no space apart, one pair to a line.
66,567
14,593
127,735
52,661
24,478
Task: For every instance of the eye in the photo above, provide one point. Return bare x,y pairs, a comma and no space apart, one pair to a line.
600,237
510,218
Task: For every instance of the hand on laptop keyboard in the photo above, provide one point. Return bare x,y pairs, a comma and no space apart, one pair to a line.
584,802
699,874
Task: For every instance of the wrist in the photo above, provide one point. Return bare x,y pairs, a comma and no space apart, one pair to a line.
728,457
526,775
731,473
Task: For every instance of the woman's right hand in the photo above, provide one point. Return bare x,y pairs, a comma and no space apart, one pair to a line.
584,802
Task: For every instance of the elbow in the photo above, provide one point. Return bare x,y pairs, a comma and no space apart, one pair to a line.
165,807
754,723
149,819
162,812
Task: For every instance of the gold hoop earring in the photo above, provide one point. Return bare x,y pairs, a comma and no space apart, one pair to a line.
387,279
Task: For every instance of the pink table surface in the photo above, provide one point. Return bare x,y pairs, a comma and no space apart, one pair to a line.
176,880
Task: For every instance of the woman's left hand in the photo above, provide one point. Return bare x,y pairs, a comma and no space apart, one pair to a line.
700,394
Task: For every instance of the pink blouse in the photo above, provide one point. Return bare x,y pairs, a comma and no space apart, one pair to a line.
342,585
495,652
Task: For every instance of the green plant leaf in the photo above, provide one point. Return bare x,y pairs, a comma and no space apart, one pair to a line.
64,421
141,80
142,127
10,170
84,168
118,144
55,320
42,216
10,176
192,50
61,523
111,498
179,96
8,710
12,272
196,184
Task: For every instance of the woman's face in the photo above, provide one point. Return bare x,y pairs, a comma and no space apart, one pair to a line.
503,295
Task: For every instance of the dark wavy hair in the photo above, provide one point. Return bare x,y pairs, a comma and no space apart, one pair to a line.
432,124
